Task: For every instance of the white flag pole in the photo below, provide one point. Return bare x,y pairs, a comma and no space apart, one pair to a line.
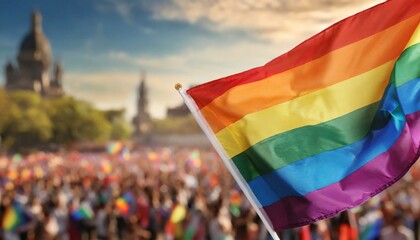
228,162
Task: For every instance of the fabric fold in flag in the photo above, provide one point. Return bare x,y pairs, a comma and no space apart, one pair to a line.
328,125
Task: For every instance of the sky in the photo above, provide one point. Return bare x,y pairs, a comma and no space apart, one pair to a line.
104,45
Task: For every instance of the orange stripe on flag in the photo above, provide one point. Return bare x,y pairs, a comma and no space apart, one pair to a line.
329,69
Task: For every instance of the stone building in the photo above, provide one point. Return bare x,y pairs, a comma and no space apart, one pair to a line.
178,111
142,122
34,63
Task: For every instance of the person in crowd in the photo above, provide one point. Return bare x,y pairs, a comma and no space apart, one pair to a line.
396,230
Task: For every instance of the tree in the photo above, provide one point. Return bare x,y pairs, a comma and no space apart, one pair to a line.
177,125
28,125
4,114
76,121
4,109
121,129
29,121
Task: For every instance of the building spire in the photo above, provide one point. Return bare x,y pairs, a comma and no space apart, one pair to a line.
142,88
143,75
142,121
36,21
142,95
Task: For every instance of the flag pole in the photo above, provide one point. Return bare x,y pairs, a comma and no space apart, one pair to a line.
227,161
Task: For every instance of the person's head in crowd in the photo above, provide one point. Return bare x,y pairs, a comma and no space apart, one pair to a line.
397,219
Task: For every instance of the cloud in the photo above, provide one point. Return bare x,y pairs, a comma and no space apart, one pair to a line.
216,59
117,88
121,7
282,23
148,62
190,67
273,20
107,89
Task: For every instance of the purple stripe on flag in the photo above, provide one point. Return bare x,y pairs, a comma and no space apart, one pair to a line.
355,189
413,122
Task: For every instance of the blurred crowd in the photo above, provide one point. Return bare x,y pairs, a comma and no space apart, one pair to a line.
167,193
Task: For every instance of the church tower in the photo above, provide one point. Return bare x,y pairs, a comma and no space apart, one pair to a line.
142,120
34,63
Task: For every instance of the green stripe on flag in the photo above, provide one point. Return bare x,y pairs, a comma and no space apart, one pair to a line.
407,65
286,148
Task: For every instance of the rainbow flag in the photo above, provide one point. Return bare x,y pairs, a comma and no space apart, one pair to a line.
194,160
327,125
14,217
174,225
114,148
84,211
125,204
122,206
235,203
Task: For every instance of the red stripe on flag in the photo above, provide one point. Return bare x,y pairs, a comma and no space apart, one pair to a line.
343,33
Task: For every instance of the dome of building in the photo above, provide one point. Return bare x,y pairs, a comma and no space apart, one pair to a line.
35,46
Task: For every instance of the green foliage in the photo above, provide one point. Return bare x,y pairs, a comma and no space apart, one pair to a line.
176,125
77,121
28,121
121,129
4,109
28,124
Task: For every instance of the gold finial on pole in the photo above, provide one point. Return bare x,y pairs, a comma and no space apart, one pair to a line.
178,86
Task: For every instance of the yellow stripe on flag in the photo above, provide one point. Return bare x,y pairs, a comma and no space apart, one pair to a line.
311,109
415,38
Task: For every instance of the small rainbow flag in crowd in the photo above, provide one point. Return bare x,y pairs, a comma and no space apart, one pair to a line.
122,205
125,204
194,160
115,147
174,225
372,230
14,217
178,214
235,203
308,134
236,198
83,212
